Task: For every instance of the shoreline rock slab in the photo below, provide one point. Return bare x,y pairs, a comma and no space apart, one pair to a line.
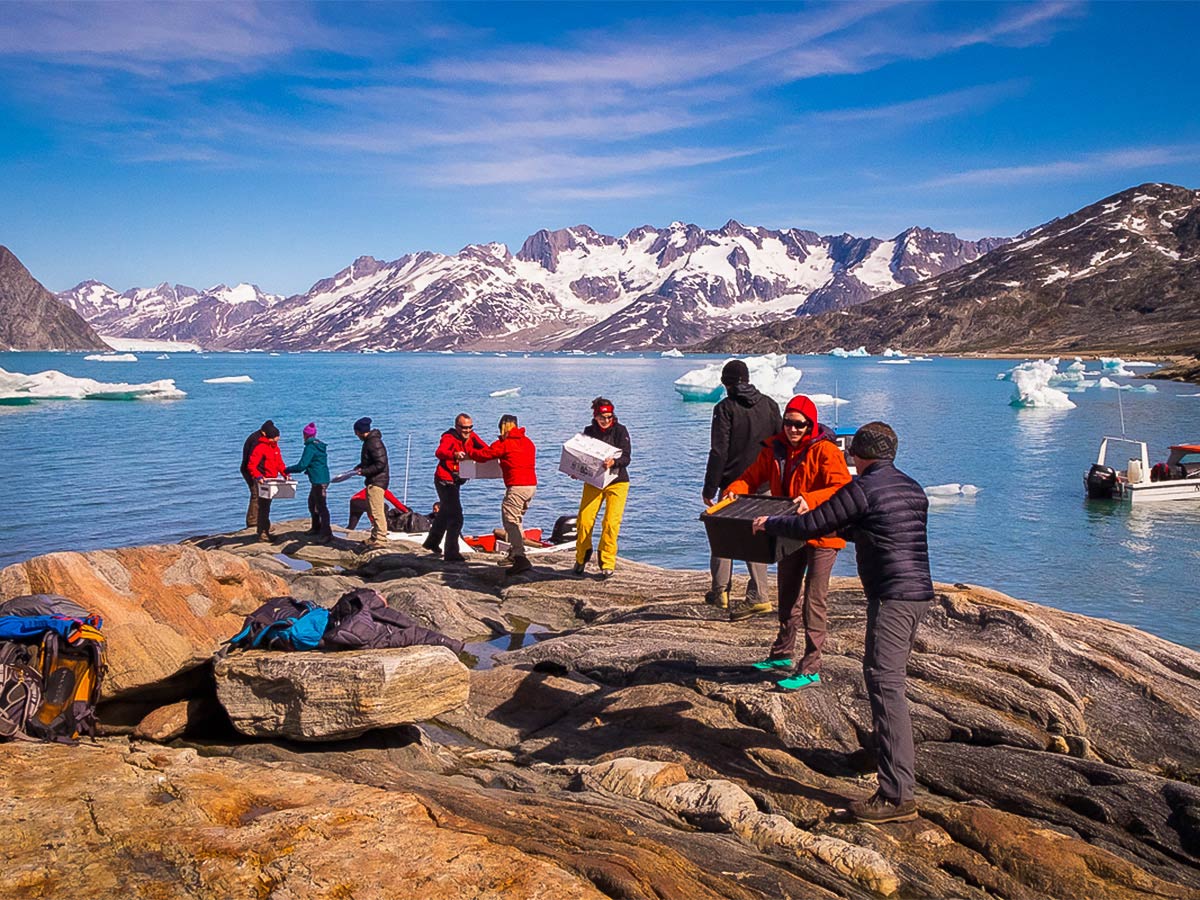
318,696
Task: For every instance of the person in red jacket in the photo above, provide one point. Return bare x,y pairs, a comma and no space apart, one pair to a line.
802,462
518,463
266,462
453,448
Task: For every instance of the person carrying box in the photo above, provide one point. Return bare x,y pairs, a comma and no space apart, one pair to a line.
455,445
266,462
518,461
604,427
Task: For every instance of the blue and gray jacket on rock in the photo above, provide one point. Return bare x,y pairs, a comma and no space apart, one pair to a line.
884,512
314,462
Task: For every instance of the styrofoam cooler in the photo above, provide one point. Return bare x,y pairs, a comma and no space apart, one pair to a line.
729,526
583,458
276,489
469,468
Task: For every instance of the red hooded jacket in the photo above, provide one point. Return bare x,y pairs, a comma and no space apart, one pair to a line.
814,470
266,461
452,442
517,455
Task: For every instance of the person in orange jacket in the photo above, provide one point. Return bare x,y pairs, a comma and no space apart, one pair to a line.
802,461
266,462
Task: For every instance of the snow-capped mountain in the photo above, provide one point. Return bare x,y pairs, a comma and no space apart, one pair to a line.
169,312
1120,276
573,289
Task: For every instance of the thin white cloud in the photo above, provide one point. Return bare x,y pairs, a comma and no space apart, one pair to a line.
922,109
1088,164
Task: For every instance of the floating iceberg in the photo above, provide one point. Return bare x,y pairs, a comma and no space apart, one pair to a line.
897,354
145,345
843,353
671,354
947,493
230,379
507,392
17,389
111,357
1031,386
1113,366
1140,364
894,362
770,374
827,400
1108,383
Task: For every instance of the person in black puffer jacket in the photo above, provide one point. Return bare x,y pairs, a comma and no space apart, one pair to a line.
740,423
373,467
884,513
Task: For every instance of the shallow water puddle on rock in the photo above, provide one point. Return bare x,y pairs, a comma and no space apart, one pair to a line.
481,654
299,565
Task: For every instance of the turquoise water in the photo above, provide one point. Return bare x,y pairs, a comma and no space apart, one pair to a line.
88,474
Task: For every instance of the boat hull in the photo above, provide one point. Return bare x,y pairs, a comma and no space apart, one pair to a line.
1159,491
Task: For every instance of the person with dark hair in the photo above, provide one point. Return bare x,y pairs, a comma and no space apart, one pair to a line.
265,462
314,462
885,513
740,423
248,448
604,427
518,463
801,461
455,445
373,467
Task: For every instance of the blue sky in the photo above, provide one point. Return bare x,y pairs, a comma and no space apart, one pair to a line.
205,142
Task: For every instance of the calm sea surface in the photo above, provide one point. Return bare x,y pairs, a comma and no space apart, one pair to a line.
89,474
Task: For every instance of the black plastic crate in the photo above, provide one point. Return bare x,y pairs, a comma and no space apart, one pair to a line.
729,528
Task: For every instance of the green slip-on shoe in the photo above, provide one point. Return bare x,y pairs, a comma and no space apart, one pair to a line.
767,665
799,681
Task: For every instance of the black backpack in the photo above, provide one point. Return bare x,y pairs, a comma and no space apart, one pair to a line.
362,620
282,623
407,521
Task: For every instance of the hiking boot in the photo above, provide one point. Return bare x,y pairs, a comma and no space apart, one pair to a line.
265,538
577,569
519,565
748,610
719,599
607,573
770,665
878,809
454,558
798,681
432,548
581,567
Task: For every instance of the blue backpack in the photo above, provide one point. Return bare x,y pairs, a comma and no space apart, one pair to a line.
282,623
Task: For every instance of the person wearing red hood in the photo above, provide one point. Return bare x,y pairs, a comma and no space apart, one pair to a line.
604,427
518,463
802,461
266,462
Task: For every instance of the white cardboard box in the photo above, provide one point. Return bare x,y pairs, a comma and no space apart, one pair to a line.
277,489
469,468
583,458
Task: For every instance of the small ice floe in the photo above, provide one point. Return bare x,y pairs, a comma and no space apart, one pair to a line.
1140,364
230,379
111,357
507,392
162,356
894,362
843,353
671,354
1109,384
17,389
770,374
948,493
827,400
921,358
272,354
1031,386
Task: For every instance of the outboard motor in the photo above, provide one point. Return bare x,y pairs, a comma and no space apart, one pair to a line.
1101,482
566,528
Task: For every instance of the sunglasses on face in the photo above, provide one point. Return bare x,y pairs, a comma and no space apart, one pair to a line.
466,427
604,416
798,424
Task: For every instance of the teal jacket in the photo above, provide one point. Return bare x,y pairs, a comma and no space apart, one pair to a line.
314,462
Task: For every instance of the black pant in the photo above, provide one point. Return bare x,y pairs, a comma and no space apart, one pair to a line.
263,519
448,522
318,508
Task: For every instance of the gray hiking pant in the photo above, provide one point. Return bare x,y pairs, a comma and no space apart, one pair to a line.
722,576
891,630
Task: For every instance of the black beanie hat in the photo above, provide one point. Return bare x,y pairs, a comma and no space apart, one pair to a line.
875,440
363,425
270,430
735,372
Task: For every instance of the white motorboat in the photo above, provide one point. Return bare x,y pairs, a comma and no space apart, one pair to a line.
1176,479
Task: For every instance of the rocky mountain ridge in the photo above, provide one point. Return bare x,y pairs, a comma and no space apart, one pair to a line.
32,318
573,288
1120,276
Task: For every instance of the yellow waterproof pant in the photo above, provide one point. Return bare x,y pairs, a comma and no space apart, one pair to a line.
613,497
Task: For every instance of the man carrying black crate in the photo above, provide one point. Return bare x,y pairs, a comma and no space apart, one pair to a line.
885,513
740,423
